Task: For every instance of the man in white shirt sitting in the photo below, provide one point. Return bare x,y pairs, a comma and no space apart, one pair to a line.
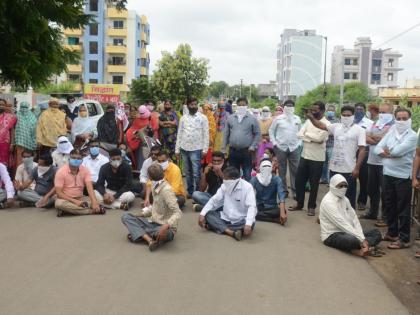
94,161
7,191
340,227
144,174
24,170
237,198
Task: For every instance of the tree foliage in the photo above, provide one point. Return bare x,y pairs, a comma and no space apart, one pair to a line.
270,102
180,76
217,89
141,90
64,87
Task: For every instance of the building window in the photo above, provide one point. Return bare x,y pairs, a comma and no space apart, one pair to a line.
93,80
390,62
93,5
93,48
138,43
350,61
93,29
117,79
376,62
118,42
346,76
73,40
117,61
138,26
143,62
390,77
347,61
376,78
93,66
355,61
138,62
142,45
119,24
354,76
74,77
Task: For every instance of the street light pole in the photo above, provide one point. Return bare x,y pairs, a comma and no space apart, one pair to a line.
342,80
325,68
240,89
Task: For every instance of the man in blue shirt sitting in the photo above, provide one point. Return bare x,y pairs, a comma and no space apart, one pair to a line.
269,195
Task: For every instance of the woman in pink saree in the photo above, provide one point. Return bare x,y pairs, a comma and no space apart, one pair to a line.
7,124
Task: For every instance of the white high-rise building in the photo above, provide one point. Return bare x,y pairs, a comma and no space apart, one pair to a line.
299,63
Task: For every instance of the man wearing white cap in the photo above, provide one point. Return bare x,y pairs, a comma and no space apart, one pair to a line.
62,154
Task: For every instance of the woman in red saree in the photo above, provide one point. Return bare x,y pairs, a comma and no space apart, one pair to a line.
7,124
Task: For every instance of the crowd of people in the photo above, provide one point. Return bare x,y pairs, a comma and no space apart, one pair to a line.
235,161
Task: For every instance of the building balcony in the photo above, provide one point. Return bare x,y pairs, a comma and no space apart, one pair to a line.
113,49
74,68
117,68
73,47
73,32
392,67
144,37
113,13
143,53
143,71
117,32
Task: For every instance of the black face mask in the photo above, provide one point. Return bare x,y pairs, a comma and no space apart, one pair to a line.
317,115
1,110
168,109
192,111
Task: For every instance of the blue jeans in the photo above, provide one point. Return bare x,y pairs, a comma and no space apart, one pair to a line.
351,189
325,169
201,197
192,169
241,158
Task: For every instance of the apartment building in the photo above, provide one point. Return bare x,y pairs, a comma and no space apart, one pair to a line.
374,67
113,49
299,63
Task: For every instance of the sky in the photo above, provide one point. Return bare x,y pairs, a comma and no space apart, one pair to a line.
239,38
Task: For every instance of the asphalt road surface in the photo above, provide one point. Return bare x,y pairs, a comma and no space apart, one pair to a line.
85,265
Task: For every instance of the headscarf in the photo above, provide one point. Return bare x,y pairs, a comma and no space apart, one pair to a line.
212,122
25,130
256,113
51,124
80,126
265,113
229,108
144,112
107,127
334,181
63,145
266,173
121,115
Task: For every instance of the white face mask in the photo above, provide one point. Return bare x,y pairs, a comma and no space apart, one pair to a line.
42,170
28,162
402,125
288,110
164,165
241,110
347,121
339,192
230,184
116,163
265,174
385,118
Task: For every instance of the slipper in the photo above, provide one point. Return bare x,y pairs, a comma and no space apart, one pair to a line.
417,255
293,208
381,224
374,253
388,238
398,245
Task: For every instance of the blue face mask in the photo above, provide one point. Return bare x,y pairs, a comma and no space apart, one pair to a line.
358,116
75,162
330,114
94,151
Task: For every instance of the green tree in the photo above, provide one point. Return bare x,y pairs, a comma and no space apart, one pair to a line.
270,102
31,37
141,90
180,76
355,92
62,88
218,88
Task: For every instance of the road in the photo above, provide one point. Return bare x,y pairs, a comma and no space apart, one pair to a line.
85,265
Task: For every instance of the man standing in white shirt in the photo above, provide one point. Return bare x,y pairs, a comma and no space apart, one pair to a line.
312,159
364,122
94,161
284,136
340,227
192,142
237,198
349,148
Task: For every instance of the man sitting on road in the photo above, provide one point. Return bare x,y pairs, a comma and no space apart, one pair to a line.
95,160
7,192
115,182
24,171
172,175
210,181
269,195
144,176
164,215
237,198
61,155
38,190
69,183
340,227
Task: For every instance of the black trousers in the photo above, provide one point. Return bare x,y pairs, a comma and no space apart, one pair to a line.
347,242
268,215
312,171
363,181
375,191
397,202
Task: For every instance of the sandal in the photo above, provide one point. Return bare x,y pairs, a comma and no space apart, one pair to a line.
417,254
398,245
374,253
295,208
101,210
388,238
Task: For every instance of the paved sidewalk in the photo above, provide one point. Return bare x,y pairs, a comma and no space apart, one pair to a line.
85,265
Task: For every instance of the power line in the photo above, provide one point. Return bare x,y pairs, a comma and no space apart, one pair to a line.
398,35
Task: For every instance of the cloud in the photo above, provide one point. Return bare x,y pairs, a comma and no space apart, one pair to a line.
240,37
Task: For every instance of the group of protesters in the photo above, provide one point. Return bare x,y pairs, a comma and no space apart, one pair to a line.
234,159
